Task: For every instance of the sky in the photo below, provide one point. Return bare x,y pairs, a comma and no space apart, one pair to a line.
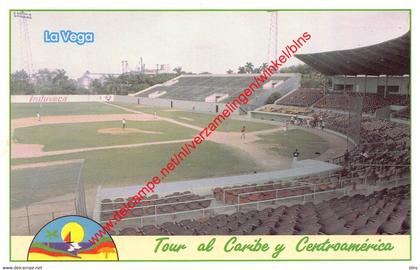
197,41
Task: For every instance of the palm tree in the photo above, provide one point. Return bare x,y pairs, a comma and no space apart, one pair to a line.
241,70
263,66
59,76
112,83
249,67
58,79
178,70
106,251
51,235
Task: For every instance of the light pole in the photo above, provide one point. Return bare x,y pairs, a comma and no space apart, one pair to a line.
25,43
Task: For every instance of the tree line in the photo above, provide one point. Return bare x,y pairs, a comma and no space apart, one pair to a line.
54,82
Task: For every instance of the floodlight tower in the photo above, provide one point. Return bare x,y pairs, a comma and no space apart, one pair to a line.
24,48
273,38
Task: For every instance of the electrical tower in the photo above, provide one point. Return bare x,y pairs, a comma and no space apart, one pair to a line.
23,49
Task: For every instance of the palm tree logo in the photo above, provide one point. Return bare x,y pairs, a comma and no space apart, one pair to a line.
51,235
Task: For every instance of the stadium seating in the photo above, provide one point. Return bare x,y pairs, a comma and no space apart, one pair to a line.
403,114
175,202
371,102
204,86
333,101
382,212
276,189
381,143
302,97
287,110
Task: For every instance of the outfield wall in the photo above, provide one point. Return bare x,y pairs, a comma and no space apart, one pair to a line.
60,98
188,105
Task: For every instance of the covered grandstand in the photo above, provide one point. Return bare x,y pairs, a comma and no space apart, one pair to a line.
379,73
390,58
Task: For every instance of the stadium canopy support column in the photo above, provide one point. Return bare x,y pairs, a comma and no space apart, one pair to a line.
401,85
348,108
237,208
408,88
155,215
386,85
325,85
365,84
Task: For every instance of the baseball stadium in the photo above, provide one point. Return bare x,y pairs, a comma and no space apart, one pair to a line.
329,160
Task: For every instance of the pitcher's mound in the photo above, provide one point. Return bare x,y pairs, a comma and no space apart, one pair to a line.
121,131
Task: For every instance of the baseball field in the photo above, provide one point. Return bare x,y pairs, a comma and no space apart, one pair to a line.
87,140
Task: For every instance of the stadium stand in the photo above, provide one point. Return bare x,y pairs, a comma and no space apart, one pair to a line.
382,212
384,150
371,102
198,87
277,189
175,202
287,110
403,114
302,97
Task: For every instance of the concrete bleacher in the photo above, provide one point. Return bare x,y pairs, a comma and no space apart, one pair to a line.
198,87
153,205
199,192
304,185
371,102
301,97
321,202
386,211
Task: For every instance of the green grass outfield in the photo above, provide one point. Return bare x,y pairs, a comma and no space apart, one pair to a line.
200,119
130,166
22,110
80,135
286,142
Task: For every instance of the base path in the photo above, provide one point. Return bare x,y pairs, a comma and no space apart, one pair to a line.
265,160
62,119
35,150
124,131
167,119
22,154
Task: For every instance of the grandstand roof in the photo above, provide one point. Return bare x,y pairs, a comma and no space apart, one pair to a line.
391,57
